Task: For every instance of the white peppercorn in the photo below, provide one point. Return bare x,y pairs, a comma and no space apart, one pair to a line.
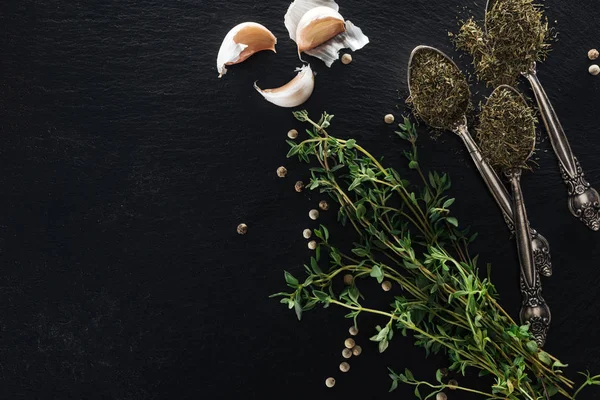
593,54
323,205
346,59
441,396
307,233
281,172
594,69
353,330
386,286
356,350
330,382
348,279
349,343
242,229
299,186
346,353
344,367
293,134
389,119
452,384
312,245
313,214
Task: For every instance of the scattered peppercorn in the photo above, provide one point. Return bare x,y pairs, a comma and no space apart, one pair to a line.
281,172
349,343
312,245
441,396
313,214
346,353
242,229
330,382
323,205
348,279
389,119
444,371
293,134
299,186
344,367
386,286
593,54
357,350
452,384
594,69
353,330
307,233
346,59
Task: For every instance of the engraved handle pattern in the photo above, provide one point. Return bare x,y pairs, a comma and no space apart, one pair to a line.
539,245
584,201
534,309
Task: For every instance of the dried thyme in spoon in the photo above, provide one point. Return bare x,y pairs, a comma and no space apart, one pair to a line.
506,132
439,92
516,35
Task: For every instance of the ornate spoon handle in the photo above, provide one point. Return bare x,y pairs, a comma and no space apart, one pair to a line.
539,244
584,201
534,308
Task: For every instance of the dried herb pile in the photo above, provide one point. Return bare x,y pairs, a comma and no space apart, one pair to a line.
439,92
408,236
515,35
506,131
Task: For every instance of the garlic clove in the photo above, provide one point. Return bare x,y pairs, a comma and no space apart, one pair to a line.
293,93
241,42
298,8
352,38
317,26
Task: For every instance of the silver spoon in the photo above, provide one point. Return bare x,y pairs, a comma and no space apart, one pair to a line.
534,308
539,245
584,201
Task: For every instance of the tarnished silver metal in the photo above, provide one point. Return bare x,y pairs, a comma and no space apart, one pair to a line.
584,201
539,244
533,308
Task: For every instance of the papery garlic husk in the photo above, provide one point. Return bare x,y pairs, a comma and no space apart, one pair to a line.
241,42
293,93
352,38
317,26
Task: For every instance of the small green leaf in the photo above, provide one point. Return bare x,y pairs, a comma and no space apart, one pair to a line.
298,309
448,203
545,358
558,364
360,211
552,390
452,221
350,143
322,296
438,375
413,165
289,278
417,393
394,385
377,273
383,345
354,294
532,346
325,232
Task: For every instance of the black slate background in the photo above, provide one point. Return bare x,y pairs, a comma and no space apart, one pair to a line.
126,166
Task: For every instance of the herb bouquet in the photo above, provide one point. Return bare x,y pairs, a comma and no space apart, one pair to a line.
408,236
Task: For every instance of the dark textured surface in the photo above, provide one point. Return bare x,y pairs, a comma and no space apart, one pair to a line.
126,166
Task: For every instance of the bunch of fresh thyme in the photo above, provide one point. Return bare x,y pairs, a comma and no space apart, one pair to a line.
506,131
516,35
444,305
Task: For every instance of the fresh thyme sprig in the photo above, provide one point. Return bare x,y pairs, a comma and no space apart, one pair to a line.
409,236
